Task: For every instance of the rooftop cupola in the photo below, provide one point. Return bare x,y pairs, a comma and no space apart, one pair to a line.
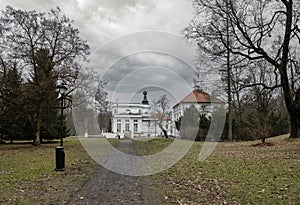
145,100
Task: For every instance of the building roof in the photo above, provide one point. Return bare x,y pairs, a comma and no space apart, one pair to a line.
199,96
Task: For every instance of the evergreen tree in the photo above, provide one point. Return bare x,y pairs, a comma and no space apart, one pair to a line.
12,116
41,97
47,46
189,124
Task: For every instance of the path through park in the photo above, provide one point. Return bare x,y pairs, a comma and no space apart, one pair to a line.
110,188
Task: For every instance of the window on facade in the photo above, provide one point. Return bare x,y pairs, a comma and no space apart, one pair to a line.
118,127
127,127
126,120
118,120
135,127
135,120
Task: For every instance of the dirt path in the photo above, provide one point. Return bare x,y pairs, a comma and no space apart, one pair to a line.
110,188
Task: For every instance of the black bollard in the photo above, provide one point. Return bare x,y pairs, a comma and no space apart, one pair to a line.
60,158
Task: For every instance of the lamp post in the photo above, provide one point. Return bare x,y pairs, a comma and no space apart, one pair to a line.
59,150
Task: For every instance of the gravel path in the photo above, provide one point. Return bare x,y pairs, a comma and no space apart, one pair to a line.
110,188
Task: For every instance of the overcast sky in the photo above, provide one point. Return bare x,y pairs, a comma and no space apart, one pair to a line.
136,44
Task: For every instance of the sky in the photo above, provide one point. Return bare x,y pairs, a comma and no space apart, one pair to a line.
136,45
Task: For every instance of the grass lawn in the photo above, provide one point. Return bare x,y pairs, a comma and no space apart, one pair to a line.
236,173
28,176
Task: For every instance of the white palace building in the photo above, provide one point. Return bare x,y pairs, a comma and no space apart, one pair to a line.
134,119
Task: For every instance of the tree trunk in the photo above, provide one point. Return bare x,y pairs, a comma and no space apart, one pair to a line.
37,139
297,107
288,96
165,133
163,130
290,104
293,117
294,123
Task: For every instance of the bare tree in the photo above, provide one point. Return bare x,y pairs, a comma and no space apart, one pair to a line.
160,112
101,97
260,115
257,30
102,106
27,34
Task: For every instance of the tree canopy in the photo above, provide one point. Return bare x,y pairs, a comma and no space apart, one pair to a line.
253,32
41,48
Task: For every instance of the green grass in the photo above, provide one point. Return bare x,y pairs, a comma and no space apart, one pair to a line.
113,142
236,173
28,176
153,146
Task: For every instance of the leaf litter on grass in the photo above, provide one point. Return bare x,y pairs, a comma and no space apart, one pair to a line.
236,173
29,176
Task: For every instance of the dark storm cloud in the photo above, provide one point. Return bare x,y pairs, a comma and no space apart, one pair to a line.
119,48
